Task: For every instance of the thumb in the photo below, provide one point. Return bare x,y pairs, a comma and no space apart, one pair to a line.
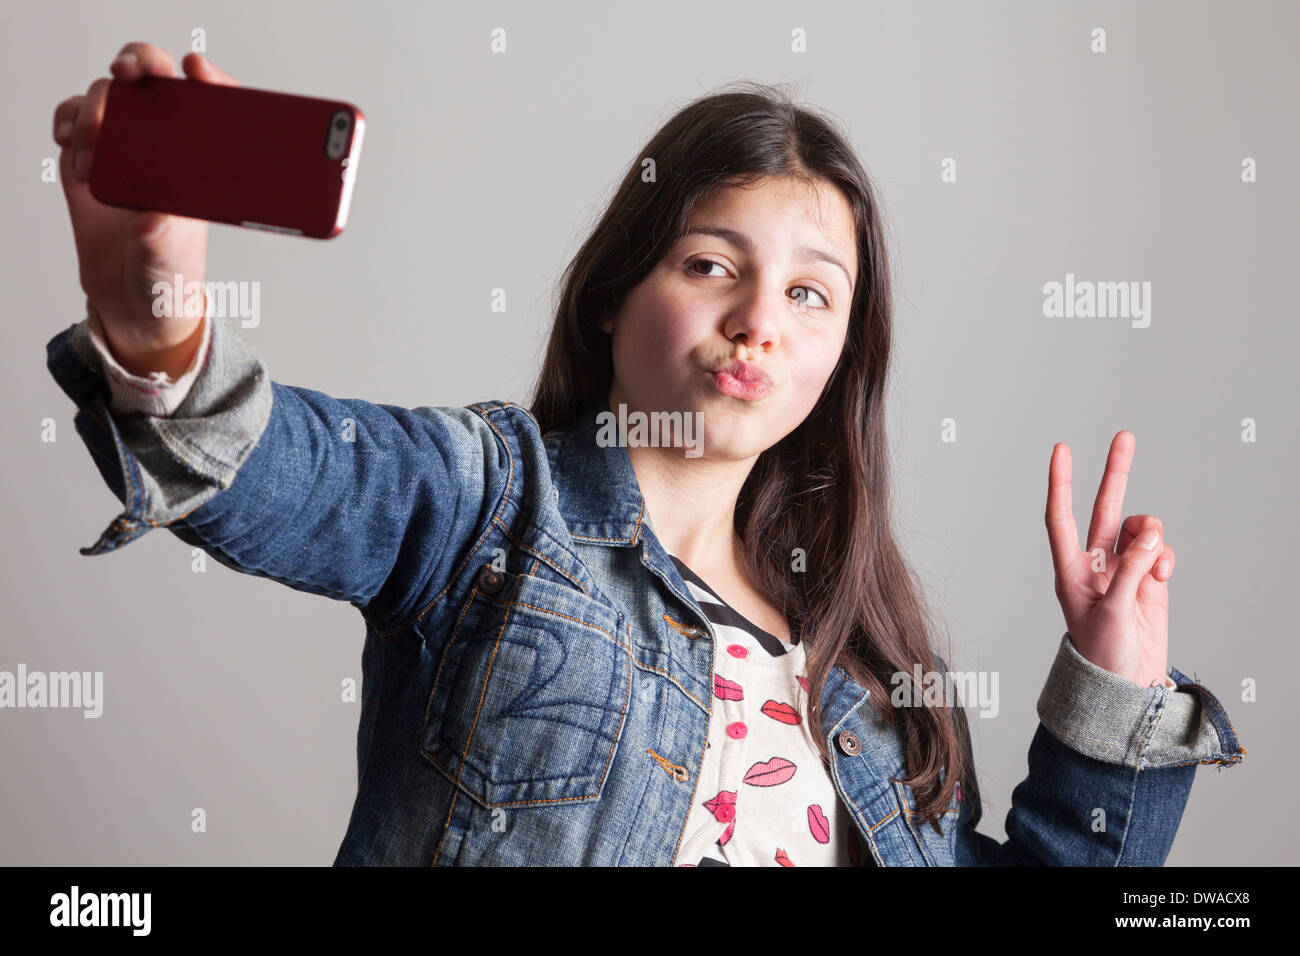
157,248
1134,564
161,250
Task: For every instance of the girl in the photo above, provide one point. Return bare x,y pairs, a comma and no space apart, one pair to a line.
594,640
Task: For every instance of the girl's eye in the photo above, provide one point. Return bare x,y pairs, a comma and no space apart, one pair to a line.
802,300
704,262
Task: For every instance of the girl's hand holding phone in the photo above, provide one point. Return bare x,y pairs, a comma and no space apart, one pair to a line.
122,252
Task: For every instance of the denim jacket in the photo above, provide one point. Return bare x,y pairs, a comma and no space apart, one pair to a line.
537,678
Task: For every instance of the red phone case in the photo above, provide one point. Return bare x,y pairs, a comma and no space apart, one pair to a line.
227,154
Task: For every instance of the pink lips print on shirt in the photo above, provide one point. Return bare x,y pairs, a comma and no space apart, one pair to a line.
818,825
725,689
770,773
780,711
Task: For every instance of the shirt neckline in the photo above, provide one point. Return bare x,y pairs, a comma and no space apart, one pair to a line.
687,573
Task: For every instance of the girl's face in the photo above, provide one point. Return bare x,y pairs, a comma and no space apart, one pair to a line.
764,275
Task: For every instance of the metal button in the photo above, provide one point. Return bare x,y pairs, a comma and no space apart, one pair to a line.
490,580
849,743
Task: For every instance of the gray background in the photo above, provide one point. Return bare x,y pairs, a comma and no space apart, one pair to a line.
485,170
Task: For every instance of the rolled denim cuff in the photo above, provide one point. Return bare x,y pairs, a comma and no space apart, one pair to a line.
163,468
1111,719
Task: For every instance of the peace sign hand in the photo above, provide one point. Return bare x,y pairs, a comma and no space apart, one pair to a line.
1116,606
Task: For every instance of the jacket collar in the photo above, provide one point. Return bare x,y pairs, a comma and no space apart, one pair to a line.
599,494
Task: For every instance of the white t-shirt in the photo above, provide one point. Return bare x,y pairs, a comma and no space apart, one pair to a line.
764,797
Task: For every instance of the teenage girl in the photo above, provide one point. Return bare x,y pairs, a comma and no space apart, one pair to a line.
585,647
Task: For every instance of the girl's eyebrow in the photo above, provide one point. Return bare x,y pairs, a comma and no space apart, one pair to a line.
746,245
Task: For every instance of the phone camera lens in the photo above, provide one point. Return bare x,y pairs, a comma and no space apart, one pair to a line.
340,123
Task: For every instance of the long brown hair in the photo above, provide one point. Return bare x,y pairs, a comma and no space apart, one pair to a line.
825,487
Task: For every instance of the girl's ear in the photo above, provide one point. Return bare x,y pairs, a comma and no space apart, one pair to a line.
606,324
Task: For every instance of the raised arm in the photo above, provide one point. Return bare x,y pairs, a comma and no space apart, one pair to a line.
373,504
341,497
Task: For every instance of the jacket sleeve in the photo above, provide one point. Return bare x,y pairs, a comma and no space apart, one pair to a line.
1110,769
372,504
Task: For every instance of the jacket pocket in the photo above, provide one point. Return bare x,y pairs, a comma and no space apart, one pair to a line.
938,849
530,694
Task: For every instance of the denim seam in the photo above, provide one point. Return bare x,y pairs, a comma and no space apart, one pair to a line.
538,555
671,679
1152,719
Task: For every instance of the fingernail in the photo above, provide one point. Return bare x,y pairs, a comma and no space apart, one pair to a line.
81,163
1148,539
1162,568
127,59
64,129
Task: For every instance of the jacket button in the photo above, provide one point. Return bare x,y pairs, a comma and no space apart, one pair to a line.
849,743
490,580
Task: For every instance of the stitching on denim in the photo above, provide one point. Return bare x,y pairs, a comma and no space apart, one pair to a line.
687,629
446,825
636,531
567,617
596,540
627,701
1151,719
876,826
1230,760
674,770
673,680
437,678
908,813
945,813
540,557
487,679
1216,710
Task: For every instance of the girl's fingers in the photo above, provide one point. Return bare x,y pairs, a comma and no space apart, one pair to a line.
1135,562
65,114
1062,535
1133,526
197,67
1109,504
135,60
1164,568
85,128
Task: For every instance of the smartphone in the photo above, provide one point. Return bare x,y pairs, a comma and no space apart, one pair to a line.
229,154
